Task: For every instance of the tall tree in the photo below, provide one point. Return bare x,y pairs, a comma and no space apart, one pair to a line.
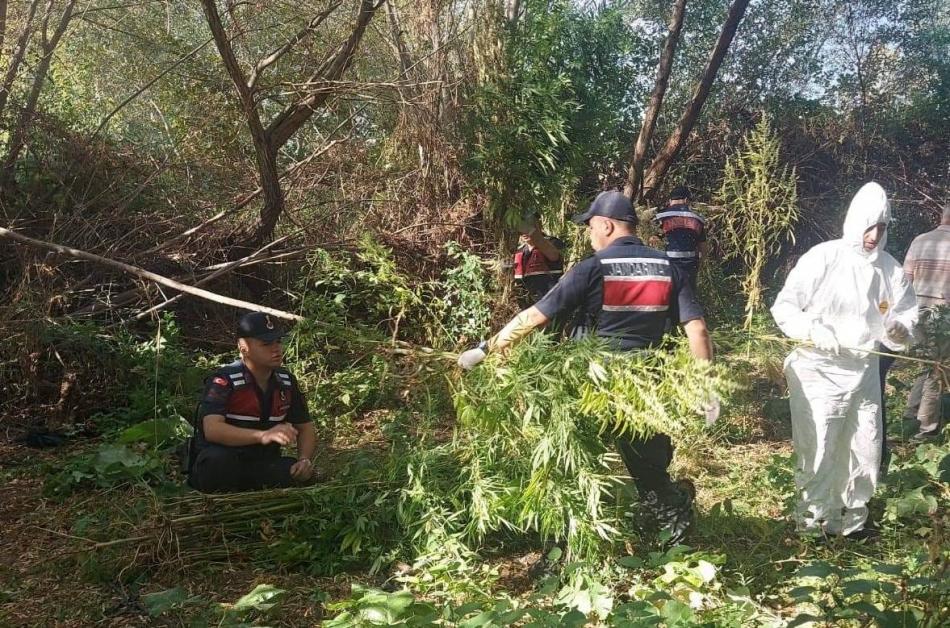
663,70
664,158
317,90
50,32
644,186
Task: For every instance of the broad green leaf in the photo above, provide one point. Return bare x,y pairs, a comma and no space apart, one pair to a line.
857,587
262,598
156,432
631,562
818,569
801,593
164,601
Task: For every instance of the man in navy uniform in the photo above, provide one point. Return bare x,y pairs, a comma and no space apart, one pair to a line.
626,293
250,409
685,233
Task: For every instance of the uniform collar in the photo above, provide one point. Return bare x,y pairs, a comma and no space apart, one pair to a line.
626,240
251,379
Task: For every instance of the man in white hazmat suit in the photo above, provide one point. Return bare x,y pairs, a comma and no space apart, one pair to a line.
843,295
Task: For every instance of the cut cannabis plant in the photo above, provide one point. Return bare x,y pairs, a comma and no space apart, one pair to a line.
533,446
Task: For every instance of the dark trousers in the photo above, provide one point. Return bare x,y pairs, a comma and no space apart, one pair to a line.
689,267
221,469
647,461
884,365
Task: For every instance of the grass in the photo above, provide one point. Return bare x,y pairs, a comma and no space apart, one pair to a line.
742,470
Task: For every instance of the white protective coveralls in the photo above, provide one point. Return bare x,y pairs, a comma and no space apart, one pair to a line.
835,399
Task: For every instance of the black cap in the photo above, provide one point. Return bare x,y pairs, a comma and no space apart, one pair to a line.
679,193
613,205
259,325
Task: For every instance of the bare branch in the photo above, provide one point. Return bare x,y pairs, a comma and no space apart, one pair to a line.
212,276
302,34
294,116
246,200
147,85
661,164
145,274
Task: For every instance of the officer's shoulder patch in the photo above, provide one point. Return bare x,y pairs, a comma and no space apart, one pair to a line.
220,381
283,376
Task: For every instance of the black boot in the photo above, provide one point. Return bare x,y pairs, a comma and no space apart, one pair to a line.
672,510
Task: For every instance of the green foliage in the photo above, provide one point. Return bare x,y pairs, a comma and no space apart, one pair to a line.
463,312
933,330
110,465
908,594
532,450
158,433
914,487
262,599
333,351
760,208
557,111
675,588
136,378
372,607
161,602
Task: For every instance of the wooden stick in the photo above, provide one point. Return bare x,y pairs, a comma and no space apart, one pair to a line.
897,356
145,274
217,273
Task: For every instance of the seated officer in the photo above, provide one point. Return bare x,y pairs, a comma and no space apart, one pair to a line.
250,409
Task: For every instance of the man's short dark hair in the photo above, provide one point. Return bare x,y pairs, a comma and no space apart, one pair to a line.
680,193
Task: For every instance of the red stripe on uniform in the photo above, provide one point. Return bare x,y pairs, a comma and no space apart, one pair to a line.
519,264
645,292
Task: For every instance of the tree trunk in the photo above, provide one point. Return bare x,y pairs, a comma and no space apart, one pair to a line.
16,58
395,29
663,70
3,25
291,119
20,130
511,10
661,164
264,152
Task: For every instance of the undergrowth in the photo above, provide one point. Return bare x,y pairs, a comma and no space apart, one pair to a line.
465,474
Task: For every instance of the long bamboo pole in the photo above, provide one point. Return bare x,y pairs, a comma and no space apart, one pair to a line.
145,274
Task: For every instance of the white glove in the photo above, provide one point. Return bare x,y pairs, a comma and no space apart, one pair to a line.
897,332
711,411
473,357
824,338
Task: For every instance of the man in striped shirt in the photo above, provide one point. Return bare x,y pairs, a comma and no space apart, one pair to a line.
927,266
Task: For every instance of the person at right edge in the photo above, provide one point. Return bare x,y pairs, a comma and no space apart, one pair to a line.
927,265
843,296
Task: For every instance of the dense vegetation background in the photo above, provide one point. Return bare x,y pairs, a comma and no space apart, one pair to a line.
363,163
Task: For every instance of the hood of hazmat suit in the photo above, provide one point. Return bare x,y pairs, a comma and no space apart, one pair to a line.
837,288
